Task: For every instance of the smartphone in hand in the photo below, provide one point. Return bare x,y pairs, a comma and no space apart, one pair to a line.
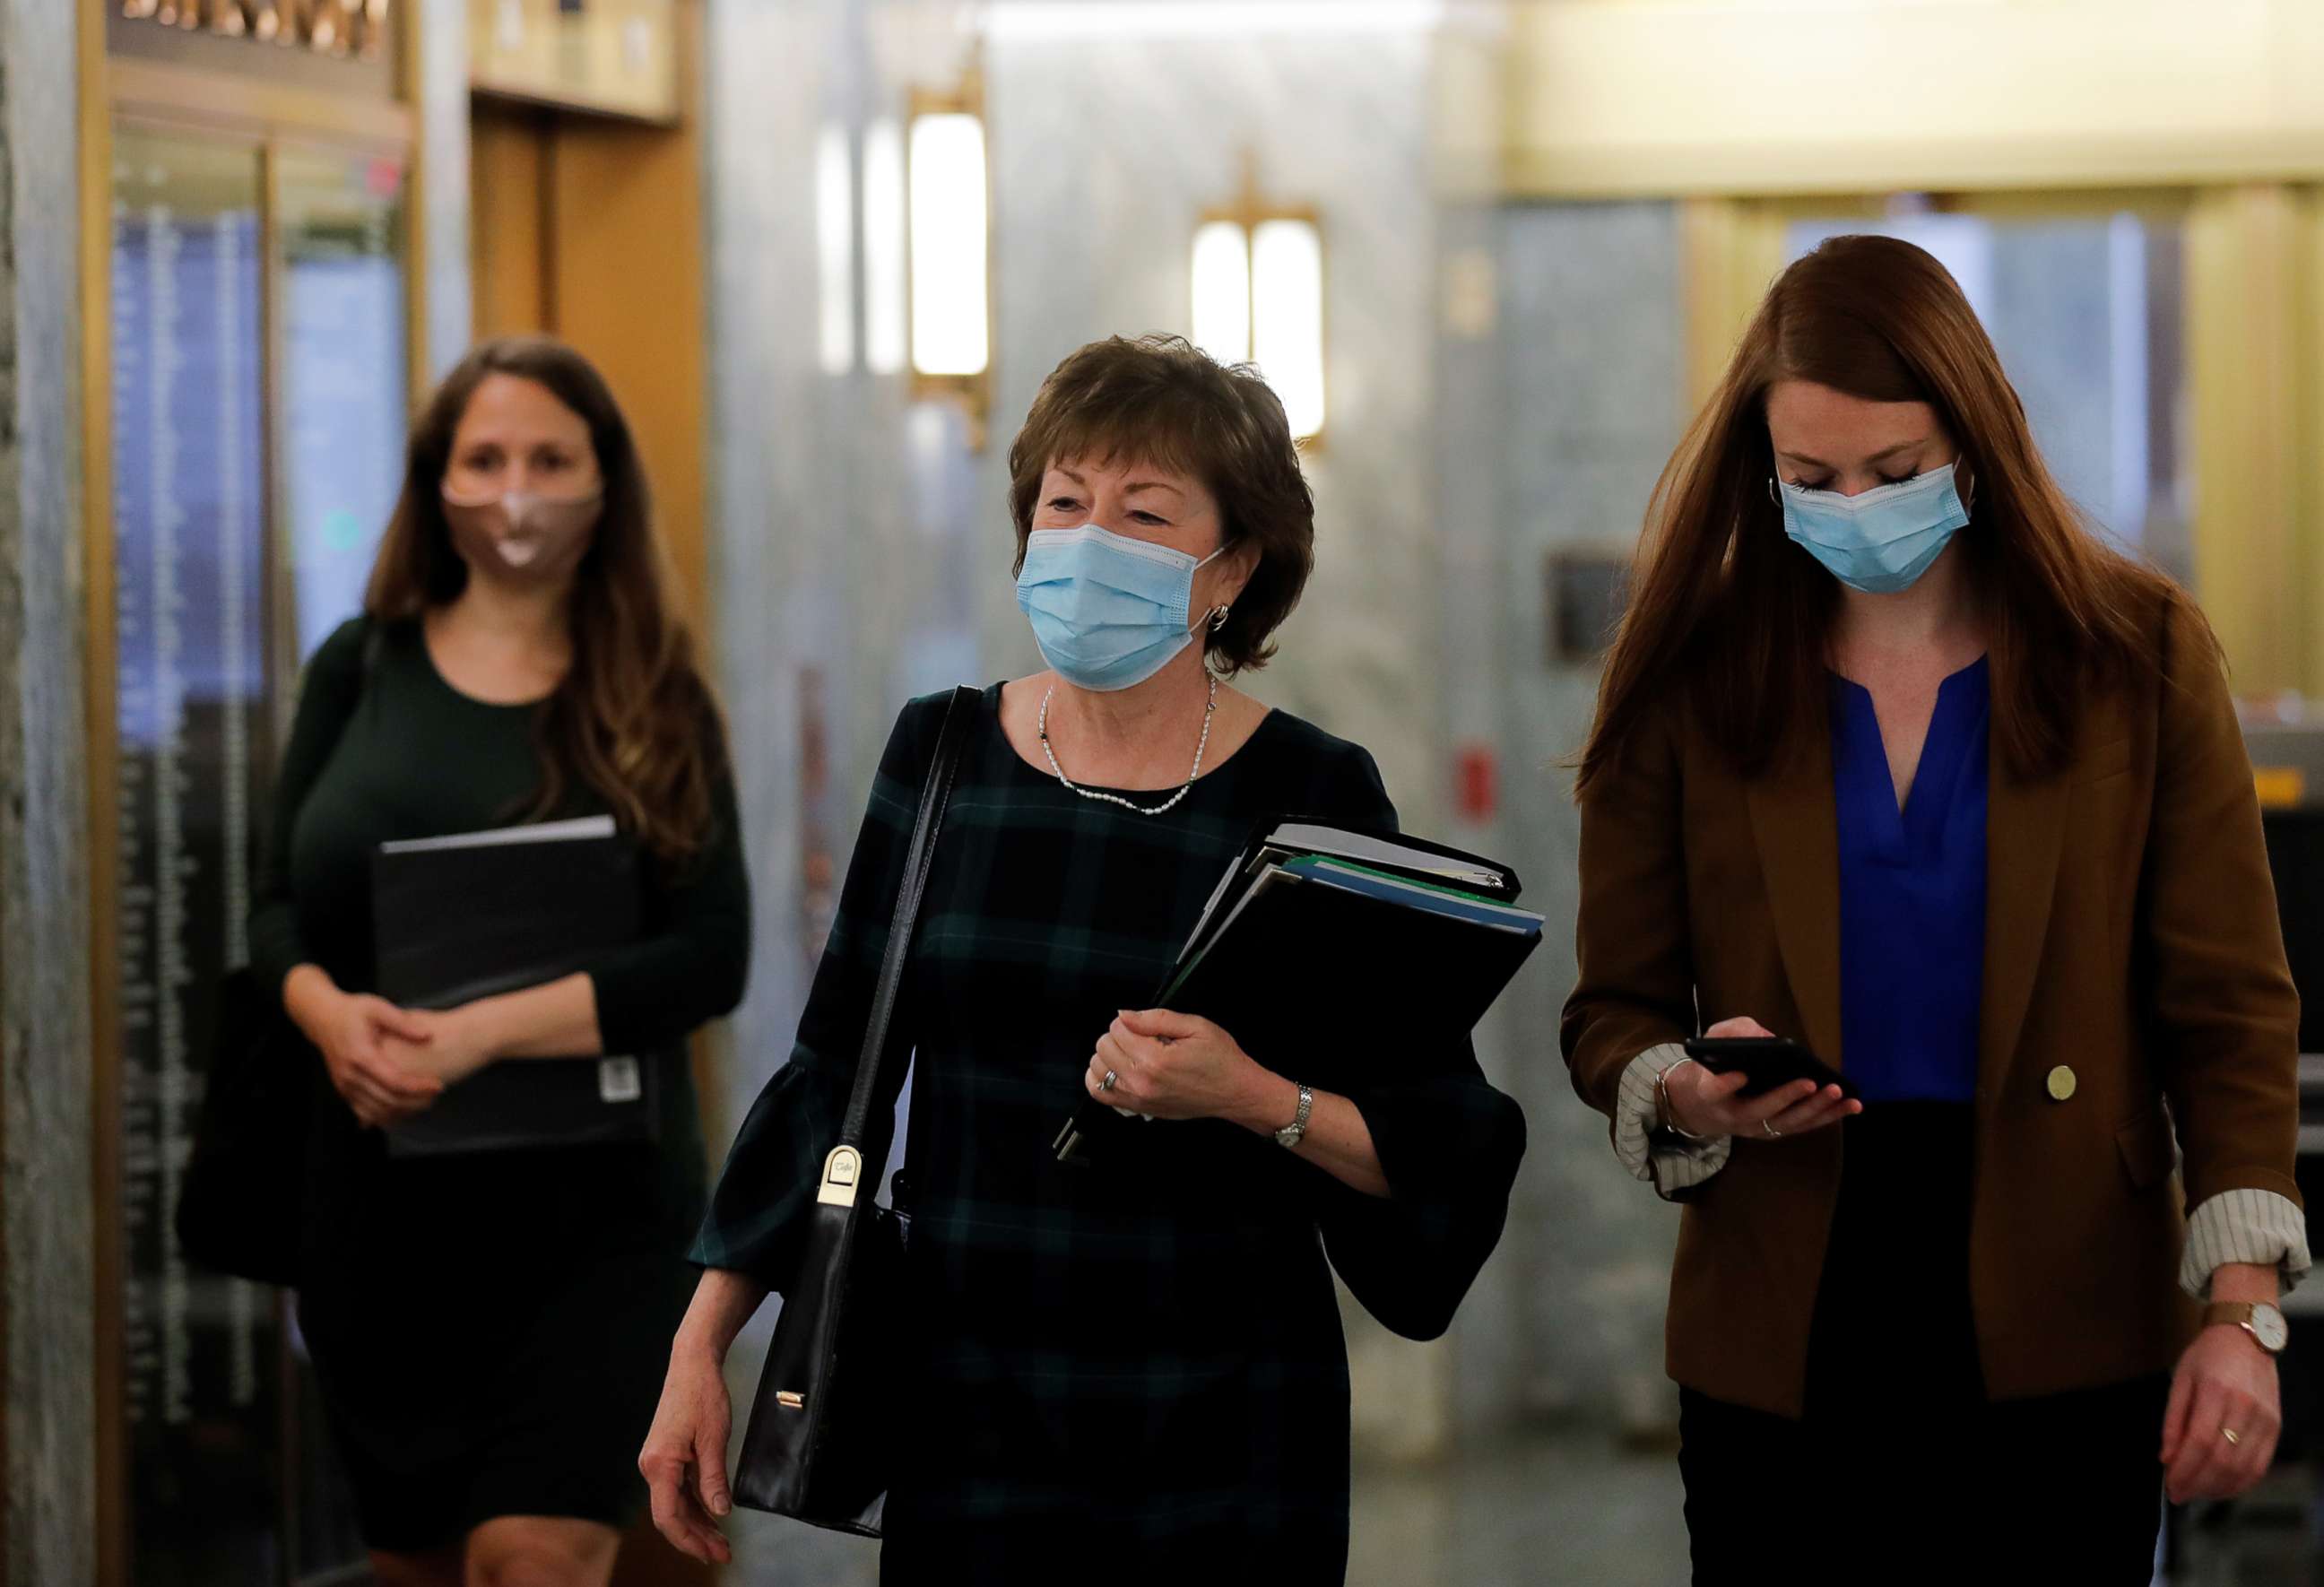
1769,1061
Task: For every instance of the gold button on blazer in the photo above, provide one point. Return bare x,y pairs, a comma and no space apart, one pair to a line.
2132,959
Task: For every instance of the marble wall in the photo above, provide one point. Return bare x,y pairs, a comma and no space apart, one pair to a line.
50,1501
1465,524
1592,403
841,546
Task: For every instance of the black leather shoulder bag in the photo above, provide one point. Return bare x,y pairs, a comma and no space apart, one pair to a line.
822,1425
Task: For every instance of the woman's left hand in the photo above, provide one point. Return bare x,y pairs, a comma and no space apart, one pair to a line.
1174,1067
456,1047
2225,1383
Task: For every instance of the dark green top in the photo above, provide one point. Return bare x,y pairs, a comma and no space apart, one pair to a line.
1134,1372
382,748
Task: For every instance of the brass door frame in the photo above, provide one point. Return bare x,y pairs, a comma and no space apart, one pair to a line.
2255,372
100,665
157,94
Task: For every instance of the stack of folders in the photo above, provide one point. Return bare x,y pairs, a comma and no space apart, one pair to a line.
1341,957
483,913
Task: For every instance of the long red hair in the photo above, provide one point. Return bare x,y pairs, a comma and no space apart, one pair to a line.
1726,611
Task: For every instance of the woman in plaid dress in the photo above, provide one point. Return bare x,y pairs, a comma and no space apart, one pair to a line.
1134,1371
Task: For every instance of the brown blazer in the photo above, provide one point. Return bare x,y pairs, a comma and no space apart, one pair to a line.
2131,935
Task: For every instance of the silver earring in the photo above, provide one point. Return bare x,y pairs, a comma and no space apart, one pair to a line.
1219,618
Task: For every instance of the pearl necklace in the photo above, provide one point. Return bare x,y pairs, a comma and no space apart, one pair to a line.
1090,793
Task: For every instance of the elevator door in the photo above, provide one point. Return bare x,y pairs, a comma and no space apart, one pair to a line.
258,396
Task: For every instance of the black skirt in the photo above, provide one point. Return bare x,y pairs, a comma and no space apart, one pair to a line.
490,1336
1902,1468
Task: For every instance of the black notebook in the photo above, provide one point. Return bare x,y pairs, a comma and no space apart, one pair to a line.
483,913
1340,957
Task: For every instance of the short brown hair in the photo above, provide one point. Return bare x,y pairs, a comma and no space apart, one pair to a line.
1161,399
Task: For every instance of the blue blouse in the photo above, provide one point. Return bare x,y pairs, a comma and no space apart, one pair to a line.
1911,895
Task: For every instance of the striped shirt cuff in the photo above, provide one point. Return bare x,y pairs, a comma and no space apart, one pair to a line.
1662,1160
2255,1226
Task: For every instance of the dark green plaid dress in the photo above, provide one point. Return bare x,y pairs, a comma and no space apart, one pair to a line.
1131,1371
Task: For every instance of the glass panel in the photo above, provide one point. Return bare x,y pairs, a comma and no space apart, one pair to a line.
342,427
2085,311
189,513
345,391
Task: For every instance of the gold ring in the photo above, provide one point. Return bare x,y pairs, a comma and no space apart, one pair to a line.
2230,1434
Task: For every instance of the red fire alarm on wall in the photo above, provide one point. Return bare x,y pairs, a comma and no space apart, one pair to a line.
1481,782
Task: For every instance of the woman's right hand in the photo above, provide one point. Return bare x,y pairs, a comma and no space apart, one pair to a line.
1707,1105
351,1031
683,1462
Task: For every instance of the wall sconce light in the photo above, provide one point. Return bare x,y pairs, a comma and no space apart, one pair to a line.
834,249
1258,275
948,200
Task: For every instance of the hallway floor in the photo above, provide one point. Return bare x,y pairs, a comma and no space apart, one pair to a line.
1548,1511
1608,1521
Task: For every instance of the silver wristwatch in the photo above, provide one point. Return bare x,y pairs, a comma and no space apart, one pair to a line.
1292,1133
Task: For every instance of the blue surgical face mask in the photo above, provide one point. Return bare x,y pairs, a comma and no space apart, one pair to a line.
1108,612
1883,541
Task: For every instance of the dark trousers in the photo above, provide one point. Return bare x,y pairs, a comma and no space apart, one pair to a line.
1902,1470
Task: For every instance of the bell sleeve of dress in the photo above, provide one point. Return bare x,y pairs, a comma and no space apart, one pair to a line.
1449,1144
758,1209
689,965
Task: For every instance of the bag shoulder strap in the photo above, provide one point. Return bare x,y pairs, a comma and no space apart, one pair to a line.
374,647
935,794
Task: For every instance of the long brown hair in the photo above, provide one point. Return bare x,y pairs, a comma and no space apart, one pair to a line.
1725,610
633,720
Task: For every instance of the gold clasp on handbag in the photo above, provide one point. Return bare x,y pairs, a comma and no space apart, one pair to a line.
841,1170
790,1401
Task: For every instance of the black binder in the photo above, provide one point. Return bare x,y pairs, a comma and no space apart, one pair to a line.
1339,955
475,915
